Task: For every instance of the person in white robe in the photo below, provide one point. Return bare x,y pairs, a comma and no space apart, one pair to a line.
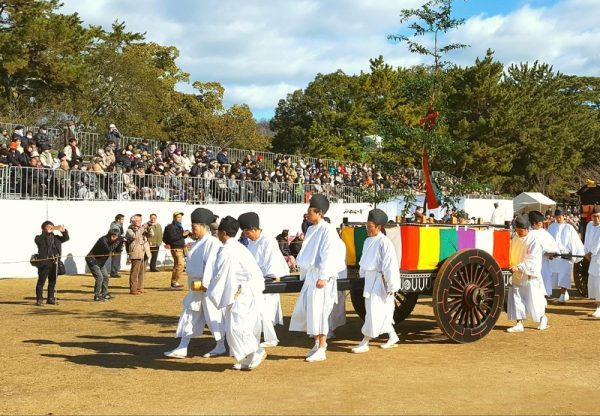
380,268
198,312
568,242
237,288
592,254
273,265
320,264
550,248
497,215
526,295
337,317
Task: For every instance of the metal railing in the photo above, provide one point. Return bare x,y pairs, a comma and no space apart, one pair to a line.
45,183
89,143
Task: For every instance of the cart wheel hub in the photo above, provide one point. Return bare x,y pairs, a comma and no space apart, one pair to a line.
474,295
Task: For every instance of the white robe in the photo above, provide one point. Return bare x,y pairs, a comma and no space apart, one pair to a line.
592,245
549,245
319,258
272,264
380,268
197,310
497,217
337,317
526,295
568,241
237,287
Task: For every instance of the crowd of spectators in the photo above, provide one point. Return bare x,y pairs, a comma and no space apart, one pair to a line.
121,170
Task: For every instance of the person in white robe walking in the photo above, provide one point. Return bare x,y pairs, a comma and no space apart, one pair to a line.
273,265
568,242
198,311
592,254
379,266
320,264
549,248
237,288
526,295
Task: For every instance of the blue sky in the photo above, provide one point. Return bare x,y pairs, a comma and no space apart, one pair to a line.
262,50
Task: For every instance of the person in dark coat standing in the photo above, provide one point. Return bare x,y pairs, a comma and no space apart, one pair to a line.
175,236
49,252
115,261
96,260
155,241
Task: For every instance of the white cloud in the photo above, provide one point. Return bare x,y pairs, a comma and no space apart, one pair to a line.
262,50
565,35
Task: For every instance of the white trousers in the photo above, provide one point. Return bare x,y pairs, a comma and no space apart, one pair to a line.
594,287
527,301
380,316
191,322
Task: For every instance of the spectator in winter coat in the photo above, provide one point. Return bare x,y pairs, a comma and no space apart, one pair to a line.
222,157
41,137
96,261
113,136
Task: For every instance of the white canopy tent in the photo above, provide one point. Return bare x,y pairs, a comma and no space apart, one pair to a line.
531,201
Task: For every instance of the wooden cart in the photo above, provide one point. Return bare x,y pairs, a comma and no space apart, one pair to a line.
464,269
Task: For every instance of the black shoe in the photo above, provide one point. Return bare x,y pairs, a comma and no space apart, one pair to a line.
39,302
154,270
98,298
52,301
107,297
115,275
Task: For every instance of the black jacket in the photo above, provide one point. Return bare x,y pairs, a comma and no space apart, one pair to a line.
41,139
13,158
101,250
50,246
173,235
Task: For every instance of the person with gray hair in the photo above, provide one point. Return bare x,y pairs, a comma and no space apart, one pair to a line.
138,250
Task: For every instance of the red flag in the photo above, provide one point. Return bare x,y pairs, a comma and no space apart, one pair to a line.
432,193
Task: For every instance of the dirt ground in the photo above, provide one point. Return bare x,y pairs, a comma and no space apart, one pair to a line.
84,357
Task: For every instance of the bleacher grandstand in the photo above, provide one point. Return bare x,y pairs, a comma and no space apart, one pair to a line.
147,169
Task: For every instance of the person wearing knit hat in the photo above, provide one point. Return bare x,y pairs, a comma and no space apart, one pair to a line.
568,241
549,247
237,289
321,259
49,247
592,254
273,265
380,267
198,310
526,295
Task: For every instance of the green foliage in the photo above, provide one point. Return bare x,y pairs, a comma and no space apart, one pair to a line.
433,18
52,68
508,130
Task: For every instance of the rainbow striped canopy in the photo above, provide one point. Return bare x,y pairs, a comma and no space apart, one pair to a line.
423,247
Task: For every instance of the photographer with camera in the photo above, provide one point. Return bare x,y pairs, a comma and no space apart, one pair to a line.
96,261
113,136
49,252
175,237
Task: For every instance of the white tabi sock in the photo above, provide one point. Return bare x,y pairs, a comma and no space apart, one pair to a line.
183,344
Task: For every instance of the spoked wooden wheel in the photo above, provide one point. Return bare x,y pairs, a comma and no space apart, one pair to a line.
468,294
580,274
405,303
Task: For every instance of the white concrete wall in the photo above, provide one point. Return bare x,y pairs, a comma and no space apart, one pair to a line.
86,221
